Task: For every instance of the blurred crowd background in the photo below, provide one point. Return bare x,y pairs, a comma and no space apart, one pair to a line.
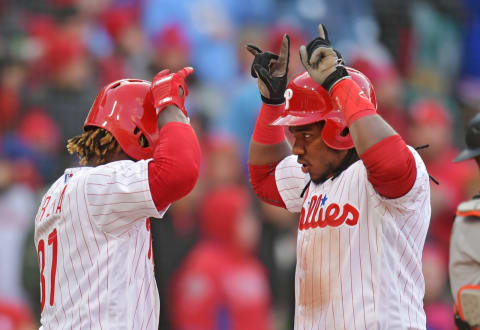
219,250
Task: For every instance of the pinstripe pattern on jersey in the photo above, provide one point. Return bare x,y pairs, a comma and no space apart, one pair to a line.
365,276
104,278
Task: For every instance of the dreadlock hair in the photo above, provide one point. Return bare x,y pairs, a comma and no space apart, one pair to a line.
95,143
350,158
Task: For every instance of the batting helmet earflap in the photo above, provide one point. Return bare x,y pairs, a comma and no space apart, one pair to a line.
472,140
125,109
307,102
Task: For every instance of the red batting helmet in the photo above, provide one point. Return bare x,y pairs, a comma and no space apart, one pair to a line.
125,109
307,103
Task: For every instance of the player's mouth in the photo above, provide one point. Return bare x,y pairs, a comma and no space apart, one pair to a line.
305,166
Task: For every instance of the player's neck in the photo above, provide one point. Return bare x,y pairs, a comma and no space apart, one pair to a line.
113,157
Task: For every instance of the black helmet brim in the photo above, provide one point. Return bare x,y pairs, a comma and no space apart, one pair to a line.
467,154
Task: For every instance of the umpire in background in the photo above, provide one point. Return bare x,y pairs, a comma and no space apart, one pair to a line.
464,265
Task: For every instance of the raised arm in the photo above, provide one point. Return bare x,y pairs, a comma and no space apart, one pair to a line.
390,164
268,144
176,160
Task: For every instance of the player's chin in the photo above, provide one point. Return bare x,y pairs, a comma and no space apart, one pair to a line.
318,178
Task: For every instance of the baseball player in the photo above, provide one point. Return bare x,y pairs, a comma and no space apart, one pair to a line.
362,193
92,230
464,265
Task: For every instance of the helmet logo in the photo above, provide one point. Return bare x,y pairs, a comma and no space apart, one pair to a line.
288,96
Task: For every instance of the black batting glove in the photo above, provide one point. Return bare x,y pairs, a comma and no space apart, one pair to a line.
271,70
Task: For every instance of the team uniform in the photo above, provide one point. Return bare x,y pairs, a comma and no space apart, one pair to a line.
358,253
92,229
361,232
464,258
92,235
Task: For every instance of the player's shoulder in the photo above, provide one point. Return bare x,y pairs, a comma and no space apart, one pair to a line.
469,209
288,162
69,175
122,166
418,160
289,166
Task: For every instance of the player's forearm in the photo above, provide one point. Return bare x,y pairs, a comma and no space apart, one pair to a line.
262,179
264,154
171,114
365,126
390,164
268,144
368,131
176,162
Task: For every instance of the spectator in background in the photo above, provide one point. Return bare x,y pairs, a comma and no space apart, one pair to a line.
18,178
244,100
15,316
469,80
12,77
431,124
171,49
435,56
221,285
277,251
223,165
297,38
69,88
129,56
436,301
41,135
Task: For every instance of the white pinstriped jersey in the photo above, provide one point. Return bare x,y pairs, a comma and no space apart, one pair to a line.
94,249
358,253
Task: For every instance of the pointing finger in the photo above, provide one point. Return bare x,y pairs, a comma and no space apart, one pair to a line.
321,31
254,50
285,46
304,57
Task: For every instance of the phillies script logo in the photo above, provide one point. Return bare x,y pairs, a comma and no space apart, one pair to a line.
332,215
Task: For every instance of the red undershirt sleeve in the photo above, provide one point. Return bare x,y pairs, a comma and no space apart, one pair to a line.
390,166
352,100
262,179
176,162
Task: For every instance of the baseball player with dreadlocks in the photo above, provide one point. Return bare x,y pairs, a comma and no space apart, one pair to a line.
362,193
92,230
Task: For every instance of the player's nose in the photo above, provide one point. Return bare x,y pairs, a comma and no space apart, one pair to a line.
298,148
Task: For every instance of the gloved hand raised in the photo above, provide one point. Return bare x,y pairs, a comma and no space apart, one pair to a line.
170,88
271,70
323,63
